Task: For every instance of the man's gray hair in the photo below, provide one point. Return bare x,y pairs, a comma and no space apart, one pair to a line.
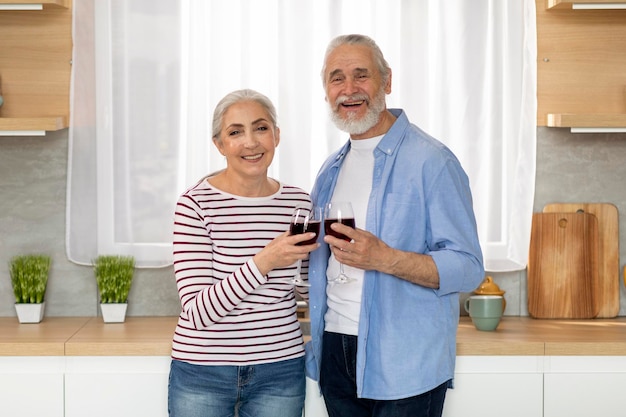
357,39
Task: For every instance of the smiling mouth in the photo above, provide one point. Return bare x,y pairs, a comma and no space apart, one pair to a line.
352,103
253,157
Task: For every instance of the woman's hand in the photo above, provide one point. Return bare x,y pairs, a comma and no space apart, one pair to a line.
282,251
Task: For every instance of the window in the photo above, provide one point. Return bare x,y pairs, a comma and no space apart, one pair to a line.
143,100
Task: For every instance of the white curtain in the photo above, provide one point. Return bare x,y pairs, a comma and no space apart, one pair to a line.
147,74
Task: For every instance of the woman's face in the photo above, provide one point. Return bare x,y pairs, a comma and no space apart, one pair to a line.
248,139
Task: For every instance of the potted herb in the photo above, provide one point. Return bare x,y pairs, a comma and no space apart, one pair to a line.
29,278
114,276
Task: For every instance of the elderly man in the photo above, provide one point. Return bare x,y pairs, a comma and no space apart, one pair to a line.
383,344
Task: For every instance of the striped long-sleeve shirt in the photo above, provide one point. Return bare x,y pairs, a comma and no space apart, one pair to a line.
231,314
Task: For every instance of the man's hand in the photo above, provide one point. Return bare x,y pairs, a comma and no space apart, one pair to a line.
366,251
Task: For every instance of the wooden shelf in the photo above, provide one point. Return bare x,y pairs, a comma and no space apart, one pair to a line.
45,3
599,4
580,66
586,120
35,67
16,124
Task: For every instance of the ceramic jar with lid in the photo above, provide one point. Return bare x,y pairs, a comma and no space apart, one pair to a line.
488,287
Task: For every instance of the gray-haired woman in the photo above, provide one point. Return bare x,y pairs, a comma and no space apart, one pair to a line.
238,347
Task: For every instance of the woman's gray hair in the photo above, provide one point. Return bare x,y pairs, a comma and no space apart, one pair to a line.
357,39
237,97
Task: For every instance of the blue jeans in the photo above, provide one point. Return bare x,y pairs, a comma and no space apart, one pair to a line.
338,383
267,390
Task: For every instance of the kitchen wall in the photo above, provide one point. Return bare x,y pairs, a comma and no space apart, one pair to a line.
574,168
33,174
570,168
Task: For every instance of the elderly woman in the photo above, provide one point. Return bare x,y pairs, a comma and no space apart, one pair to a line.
238,347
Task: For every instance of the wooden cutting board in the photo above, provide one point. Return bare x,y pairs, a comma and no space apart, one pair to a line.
607,290
563,266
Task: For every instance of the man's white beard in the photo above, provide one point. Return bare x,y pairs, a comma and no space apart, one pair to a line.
355,126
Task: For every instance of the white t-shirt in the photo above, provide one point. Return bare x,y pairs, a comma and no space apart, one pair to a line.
344,300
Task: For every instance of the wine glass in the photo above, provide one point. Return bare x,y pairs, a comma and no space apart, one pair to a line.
339,212
305,219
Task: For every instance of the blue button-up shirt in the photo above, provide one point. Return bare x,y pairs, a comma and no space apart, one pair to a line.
420,202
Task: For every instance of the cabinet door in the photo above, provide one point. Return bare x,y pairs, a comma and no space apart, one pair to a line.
31,386
585,386
584,395
120,386
496,386
314,402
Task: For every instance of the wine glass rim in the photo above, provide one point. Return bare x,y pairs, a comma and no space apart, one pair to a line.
313,213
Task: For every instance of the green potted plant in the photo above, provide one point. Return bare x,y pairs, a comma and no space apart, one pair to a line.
29,278
114,276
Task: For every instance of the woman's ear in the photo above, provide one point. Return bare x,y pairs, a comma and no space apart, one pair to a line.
218,145
277,137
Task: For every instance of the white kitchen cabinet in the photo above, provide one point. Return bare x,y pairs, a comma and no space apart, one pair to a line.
496,386
486,386
314,402
529,368
31,386
577,386
121,386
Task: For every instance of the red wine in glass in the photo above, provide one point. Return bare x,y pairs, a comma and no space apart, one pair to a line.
339,212
305,227
329,231
303,220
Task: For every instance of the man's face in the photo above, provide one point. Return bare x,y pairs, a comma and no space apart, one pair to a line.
354,89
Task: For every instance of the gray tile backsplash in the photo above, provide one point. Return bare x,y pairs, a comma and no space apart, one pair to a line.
570,168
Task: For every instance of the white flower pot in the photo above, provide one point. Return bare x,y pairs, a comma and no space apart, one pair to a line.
113,313
30,313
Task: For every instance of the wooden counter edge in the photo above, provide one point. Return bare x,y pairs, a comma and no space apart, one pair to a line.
144,348
32,348
585,348
490,348
515,337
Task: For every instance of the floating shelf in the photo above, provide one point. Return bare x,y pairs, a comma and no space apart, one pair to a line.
588,123
30,4
31,126
585,120
585,4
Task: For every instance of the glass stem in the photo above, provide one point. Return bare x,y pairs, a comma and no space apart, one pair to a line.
297,277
